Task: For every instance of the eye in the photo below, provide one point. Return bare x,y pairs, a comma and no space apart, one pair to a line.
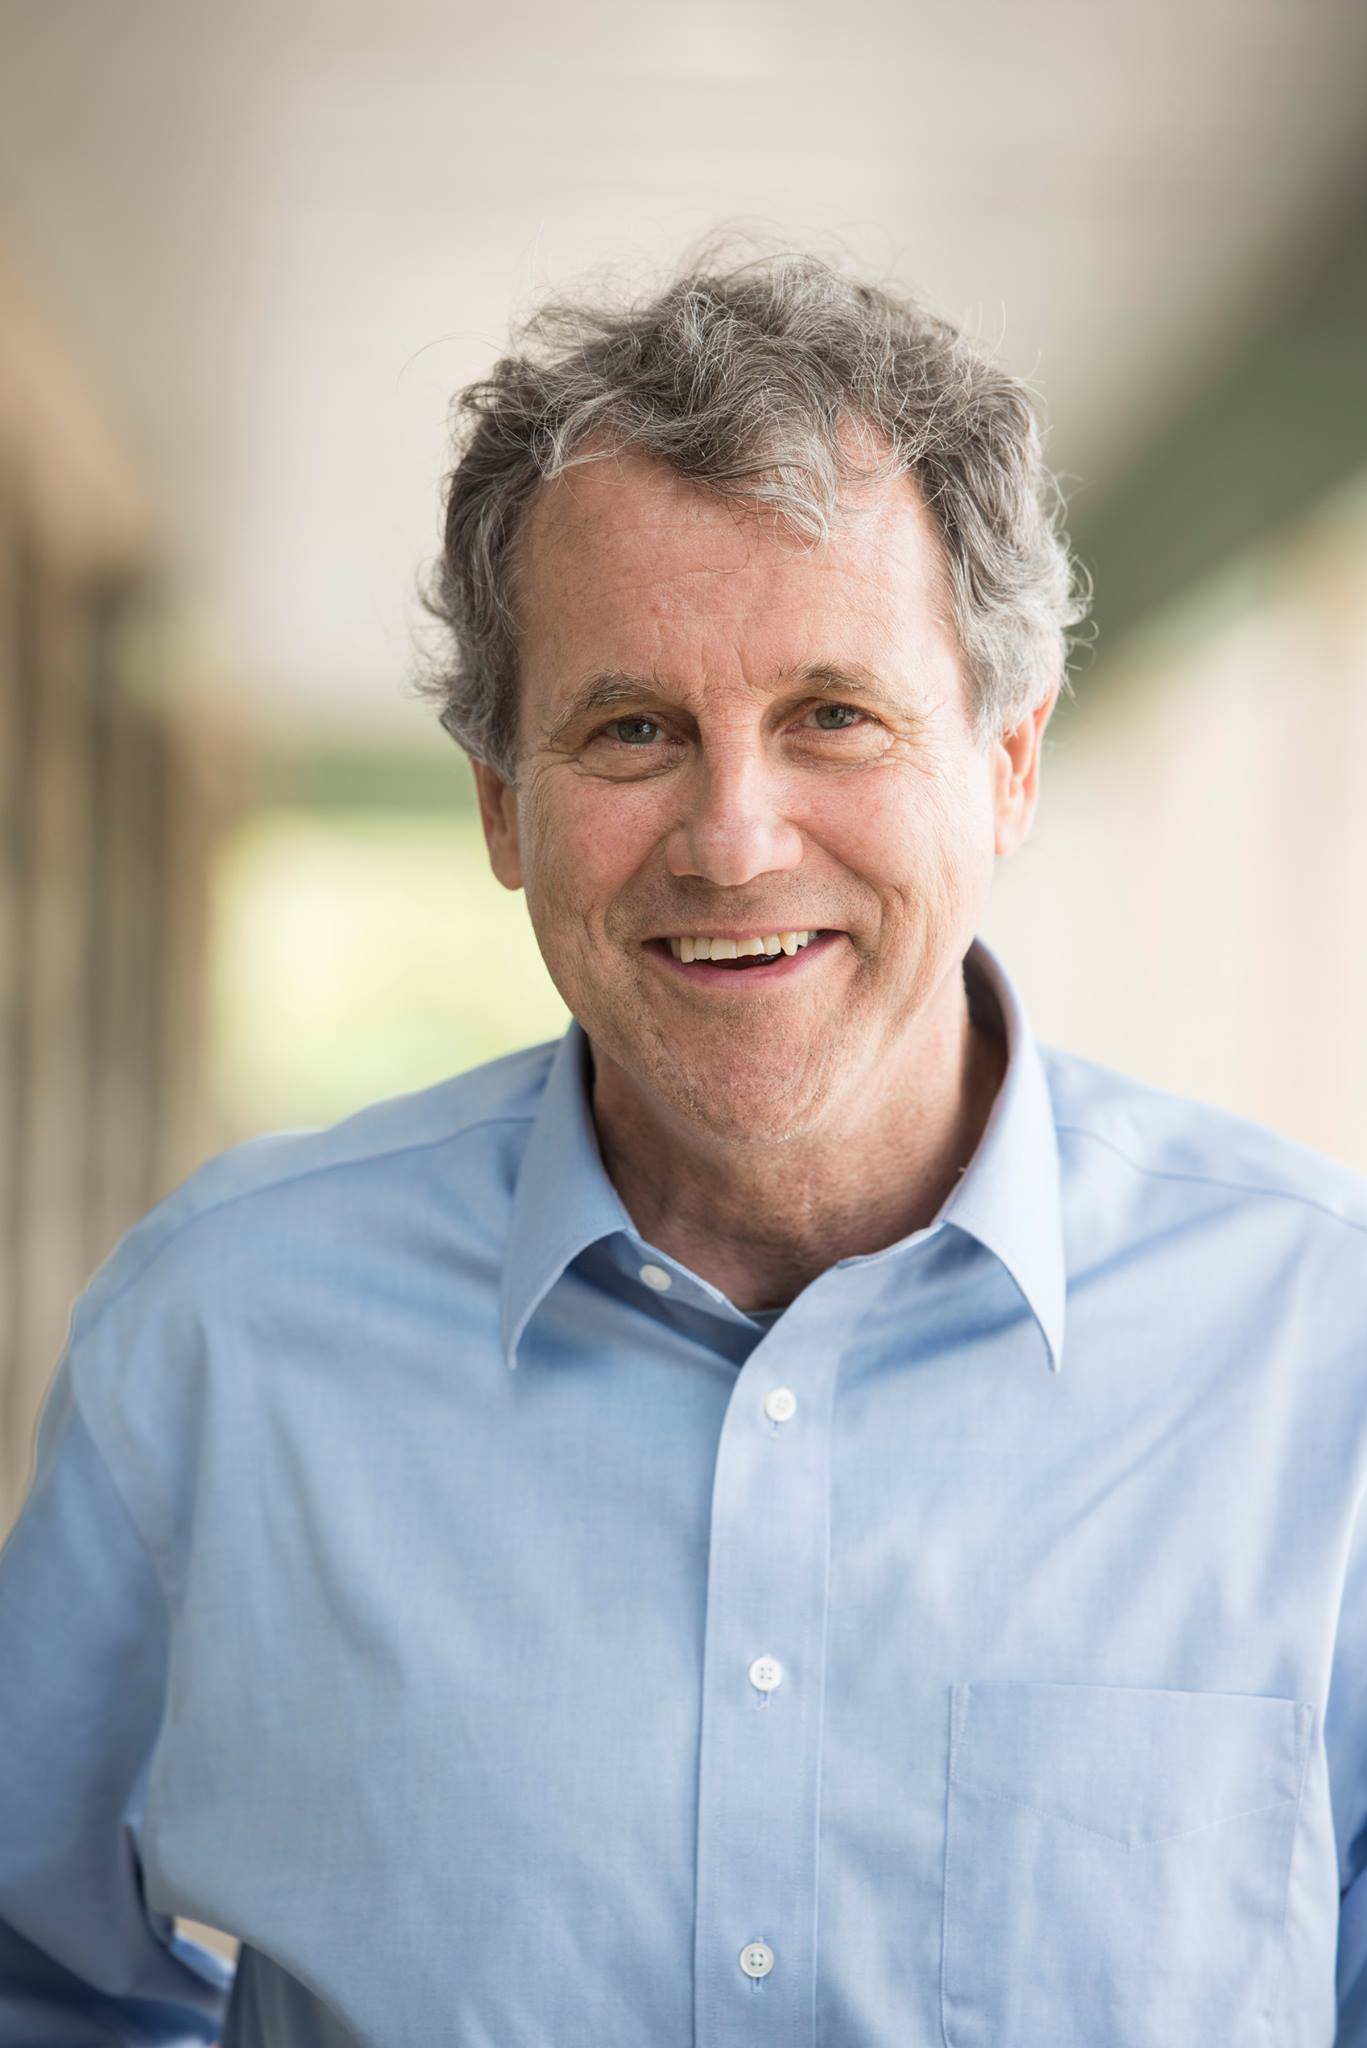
836,717
633,732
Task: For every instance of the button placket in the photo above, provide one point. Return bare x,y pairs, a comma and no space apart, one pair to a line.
759,1775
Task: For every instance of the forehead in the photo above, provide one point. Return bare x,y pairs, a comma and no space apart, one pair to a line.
624,546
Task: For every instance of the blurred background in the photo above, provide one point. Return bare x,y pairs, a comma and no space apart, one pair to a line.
247,255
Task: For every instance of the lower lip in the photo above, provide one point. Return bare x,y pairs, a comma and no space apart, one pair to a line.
703,974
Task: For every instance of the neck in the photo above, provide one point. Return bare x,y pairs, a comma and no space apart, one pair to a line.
762,1222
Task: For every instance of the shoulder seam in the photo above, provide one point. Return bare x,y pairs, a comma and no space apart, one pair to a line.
283,1181
1214,1180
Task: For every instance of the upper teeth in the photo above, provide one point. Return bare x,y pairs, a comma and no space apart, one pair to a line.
733,949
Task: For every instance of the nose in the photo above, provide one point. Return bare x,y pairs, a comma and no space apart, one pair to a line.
734,826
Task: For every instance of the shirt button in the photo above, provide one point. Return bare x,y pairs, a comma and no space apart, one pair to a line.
766,1673
757,1959
656,1277
781,1404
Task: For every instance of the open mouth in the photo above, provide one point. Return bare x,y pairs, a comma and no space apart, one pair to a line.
768,957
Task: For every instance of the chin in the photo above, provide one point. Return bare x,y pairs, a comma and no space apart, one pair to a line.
747,1104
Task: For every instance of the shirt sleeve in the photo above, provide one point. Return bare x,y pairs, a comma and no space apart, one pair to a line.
1345,1733
84,1631
1352,1966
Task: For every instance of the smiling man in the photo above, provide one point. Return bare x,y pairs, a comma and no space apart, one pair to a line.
756,835
796,1517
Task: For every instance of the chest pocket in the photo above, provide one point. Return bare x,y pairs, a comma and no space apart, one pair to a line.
1117,1860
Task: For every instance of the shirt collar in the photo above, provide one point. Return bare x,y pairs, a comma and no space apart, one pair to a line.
1008,1197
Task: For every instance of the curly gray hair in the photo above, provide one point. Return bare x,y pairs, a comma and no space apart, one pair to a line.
775,380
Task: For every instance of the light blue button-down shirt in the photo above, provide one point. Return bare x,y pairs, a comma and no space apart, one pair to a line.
973,1653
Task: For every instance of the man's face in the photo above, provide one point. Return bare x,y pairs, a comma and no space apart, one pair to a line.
724,733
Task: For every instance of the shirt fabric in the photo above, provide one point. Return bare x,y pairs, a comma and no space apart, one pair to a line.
512,1642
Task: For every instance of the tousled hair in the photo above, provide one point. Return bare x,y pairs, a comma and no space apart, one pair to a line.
777,381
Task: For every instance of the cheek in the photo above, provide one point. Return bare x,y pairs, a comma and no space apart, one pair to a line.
924,839
584,841
887,828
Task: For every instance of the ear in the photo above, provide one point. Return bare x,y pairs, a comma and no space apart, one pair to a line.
498,815
1016,767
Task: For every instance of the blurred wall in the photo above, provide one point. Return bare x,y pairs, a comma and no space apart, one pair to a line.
110,802
1192,903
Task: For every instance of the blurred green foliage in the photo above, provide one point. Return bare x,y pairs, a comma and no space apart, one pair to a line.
360,954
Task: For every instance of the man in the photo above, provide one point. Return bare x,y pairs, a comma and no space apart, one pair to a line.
911,1588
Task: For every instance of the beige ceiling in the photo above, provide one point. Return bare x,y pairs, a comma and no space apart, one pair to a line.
278,237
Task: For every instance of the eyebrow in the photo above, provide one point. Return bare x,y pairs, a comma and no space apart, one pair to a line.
604,689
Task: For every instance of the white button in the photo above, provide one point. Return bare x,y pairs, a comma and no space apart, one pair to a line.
780,1404
656,1276
766,1673
757,1959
